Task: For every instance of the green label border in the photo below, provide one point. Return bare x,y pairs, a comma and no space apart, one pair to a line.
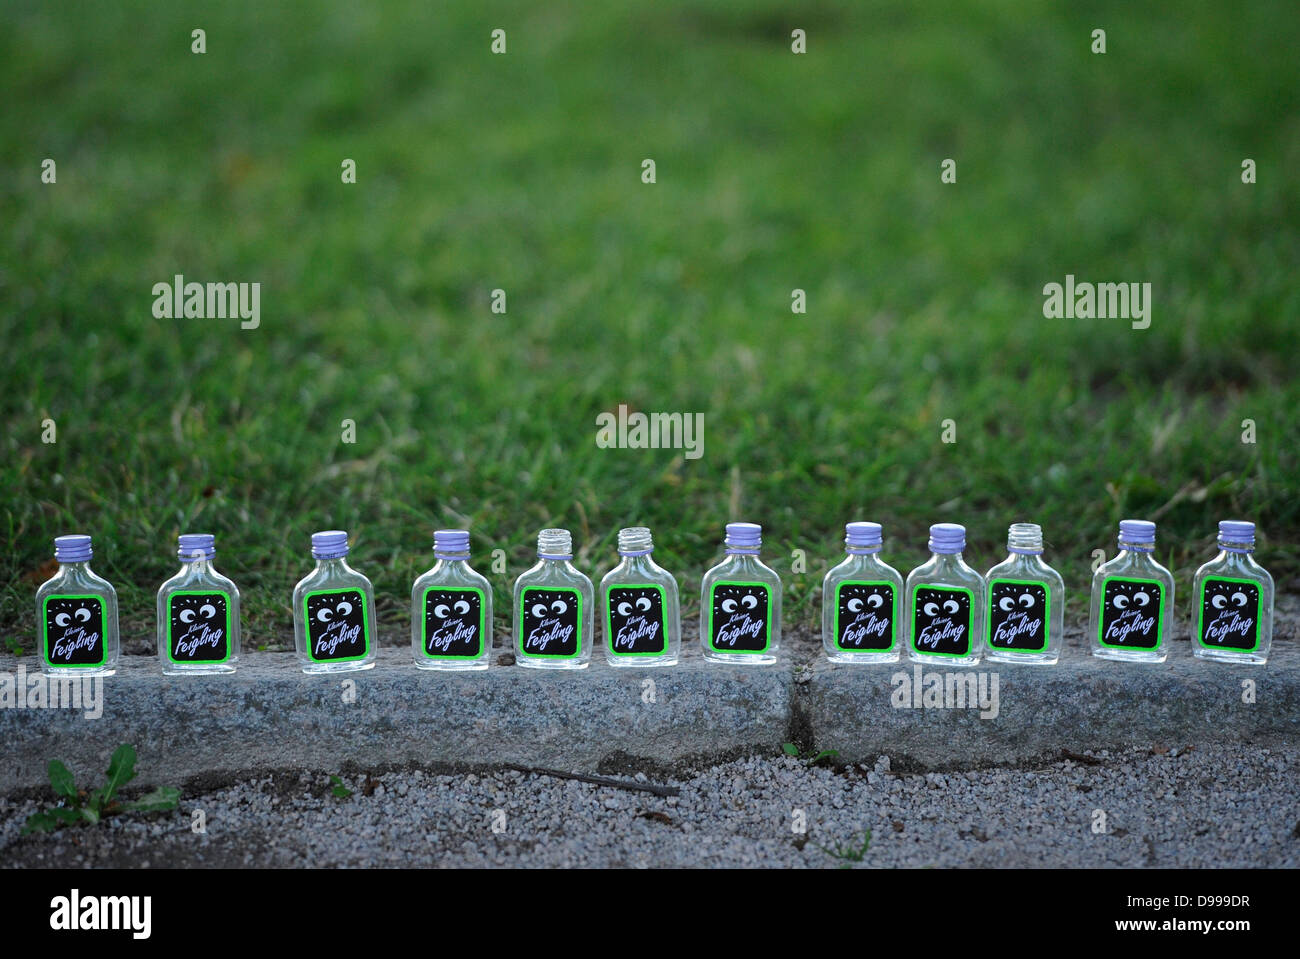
767,644
609,617
365,623
523,604
1160,626
1047,616
198,592
45,630
893,623
1200,613
424,620
911,620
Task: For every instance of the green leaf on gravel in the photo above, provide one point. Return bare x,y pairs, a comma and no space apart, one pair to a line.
160,800
61,780
790,749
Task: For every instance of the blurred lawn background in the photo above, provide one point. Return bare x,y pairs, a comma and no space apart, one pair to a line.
522,172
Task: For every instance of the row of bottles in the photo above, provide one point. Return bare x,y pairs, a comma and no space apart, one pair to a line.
944,612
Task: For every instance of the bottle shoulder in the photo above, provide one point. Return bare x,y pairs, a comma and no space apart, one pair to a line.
860,568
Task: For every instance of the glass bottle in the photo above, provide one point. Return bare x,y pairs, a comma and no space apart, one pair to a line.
451,609
945,603
333,611
76,614
640,610
553,608
1026,602
860,601
1132,600
740,603
198,613
1233,601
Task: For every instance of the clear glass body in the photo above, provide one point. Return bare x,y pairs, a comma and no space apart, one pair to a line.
555,574
1227,571
1138,565
452,573
742,568
945,571
643,571
1022,568
869,570
73,581
196,577
332,574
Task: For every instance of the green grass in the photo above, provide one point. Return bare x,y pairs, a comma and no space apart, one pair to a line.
522,171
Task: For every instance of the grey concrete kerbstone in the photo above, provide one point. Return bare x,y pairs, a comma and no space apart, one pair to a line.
268,714
1080,703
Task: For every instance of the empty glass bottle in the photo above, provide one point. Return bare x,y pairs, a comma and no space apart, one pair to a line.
451,609
639,599
861,598
1026,602
945,603
333,611
76,614
553,608
1232,619
1132,600
198,613
740,603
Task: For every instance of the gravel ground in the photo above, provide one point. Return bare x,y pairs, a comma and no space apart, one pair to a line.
1202,807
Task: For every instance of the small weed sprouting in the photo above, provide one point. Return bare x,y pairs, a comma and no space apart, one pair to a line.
337,789
811,758
849,854
79,806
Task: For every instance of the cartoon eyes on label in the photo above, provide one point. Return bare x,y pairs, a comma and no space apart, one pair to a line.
207,611
950,607
326,614
442,610
559,607
643,604
1008,603
728,605
1220,601
855,605
1121,601
82,613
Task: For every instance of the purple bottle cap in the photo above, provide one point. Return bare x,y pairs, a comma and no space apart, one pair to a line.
329,544
1138,532
947,538
863,537
1237,532
74,548
744,537
196,546
453,541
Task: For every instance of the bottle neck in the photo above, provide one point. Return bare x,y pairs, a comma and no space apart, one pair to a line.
636,562
943,562
1235,558
331,564
196,567
556,563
